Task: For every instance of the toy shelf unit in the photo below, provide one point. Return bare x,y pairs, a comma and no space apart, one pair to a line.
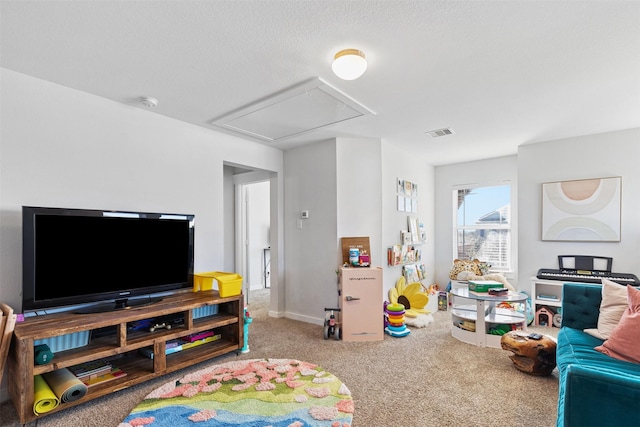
547,301
481,319
125,339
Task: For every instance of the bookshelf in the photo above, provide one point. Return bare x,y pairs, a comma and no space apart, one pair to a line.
409,257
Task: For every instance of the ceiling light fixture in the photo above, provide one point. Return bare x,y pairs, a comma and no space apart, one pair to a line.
349,64
148,101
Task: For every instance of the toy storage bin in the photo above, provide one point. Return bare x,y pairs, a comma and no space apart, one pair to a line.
207,310
229,284
65,342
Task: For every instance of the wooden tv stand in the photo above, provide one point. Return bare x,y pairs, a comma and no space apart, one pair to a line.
124,343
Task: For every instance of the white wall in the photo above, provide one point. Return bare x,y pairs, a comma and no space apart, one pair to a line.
400,164
310,251
359,193
484,172
349,187
228,210
592,156
72,149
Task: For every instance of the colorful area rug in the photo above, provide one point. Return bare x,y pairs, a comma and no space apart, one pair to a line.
257,392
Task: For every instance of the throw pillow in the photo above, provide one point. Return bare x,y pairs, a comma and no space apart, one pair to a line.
623,342
614,302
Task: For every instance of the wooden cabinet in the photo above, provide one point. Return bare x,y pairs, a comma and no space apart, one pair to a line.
361,304
116,339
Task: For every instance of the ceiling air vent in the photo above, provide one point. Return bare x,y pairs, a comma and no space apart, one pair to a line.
440,132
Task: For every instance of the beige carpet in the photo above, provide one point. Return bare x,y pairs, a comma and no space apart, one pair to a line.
425,379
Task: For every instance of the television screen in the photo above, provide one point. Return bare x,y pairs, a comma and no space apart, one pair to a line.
78,256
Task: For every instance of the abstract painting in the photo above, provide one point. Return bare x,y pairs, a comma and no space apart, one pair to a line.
582,210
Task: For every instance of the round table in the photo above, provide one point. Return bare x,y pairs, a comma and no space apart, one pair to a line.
485,313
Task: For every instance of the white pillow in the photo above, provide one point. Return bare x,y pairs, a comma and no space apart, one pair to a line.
614,302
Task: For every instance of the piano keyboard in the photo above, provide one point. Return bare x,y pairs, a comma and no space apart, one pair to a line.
588,277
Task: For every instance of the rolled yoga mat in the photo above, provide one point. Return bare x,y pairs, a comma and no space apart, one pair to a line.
65,385
44,399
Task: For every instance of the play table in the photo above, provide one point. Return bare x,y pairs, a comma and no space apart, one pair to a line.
479,318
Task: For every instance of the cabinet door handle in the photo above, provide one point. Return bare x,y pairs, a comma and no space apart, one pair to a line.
350,298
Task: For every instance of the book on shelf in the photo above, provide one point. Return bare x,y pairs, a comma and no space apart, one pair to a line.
99,379
422,272
549,297
92,368
197,336
410,273
196,343
179,345
394,255
408,254
403,254
413,229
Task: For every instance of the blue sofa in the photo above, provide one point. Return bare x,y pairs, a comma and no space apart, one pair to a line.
594,389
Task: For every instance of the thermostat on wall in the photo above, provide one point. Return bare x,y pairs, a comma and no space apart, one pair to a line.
304,214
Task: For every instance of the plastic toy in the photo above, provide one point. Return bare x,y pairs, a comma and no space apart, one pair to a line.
500,329
331,325
394,320
163,325
247,321
544,316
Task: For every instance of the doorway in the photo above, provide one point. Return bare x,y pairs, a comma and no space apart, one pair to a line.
253,229
257,225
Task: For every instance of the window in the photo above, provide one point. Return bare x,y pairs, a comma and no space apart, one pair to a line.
483,225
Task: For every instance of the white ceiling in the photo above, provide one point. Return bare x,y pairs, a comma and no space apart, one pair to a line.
499,73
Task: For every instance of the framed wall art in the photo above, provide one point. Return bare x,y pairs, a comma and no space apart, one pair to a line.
585,210
407,196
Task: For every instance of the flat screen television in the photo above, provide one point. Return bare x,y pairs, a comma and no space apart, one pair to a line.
83,256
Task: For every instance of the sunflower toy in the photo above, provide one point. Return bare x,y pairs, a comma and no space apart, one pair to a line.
410,297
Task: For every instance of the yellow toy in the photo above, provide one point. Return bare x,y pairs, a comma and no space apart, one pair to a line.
410,296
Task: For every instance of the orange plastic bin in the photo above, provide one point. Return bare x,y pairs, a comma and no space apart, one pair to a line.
229,284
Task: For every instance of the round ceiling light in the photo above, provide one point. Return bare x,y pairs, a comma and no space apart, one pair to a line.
349,64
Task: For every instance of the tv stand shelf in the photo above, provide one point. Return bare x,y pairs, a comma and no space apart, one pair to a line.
123,344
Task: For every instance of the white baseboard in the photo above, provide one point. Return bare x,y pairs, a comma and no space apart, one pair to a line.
304,318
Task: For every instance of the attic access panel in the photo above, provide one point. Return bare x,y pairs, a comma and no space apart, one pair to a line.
310,105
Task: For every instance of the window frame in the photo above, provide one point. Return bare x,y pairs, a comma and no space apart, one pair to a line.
508,271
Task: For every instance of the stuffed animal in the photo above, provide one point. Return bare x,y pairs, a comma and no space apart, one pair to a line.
464,266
